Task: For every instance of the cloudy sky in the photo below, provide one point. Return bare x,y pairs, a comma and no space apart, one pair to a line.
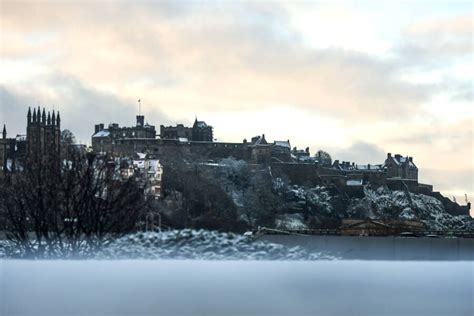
355,78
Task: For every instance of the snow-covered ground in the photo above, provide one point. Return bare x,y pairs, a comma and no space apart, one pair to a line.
178,244
212,245
196,287
203,245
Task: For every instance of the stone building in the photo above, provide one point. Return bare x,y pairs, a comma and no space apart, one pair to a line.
401,167
200,132
104,139
43,136
176,132
148,171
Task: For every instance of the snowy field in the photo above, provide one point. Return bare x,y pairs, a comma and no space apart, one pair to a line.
200,287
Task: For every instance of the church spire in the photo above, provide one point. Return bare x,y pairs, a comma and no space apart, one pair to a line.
29,114
49,118
43,116
38,115
53,119
58,120
34,115
4,133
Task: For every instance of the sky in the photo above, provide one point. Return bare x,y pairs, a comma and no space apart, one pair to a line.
355,78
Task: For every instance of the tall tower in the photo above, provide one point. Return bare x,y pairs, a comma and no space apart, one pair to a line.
43,136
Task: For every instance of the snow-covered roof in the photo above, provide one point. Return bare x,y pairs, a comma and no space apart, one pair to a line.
155,164
102,133
139,164
20,138
141,155
183,140
354,182
283,143
201,124
369,167
398,159
259,140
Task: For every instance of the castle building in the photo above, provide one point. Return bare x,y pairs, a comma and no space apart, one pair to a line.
176,132
200,132
43,136
401,167
105,139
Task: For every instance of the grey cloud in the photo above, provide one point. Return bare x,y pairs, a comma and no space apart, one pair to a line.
81,106
233,55
360,153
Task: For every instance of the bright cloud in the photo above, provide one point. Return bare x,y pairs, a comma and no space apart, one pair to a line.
349,77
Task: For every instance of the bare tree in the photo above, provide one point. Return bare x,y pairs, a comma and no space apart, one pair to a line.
69,207
324,158
67,137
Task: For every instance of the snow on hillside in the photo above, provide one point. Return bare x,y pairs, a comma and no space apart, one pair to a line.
383,203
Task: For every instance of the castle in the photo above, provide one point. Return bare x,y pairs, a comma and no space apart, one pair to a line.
43,141
199,132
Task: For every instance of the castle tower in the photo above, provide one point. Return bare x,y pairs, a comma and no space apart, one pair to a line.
140,120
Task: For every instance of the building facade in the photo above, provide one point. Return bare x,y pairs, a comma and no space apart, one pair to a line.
105,139
199,132
401,167
43,136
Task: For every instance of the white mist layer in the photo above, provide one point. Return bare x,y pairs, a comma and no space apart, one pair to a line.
194,287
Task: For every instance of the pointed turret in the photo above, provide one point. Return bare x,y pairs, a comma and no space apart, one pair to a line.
29,115
43,116
34,115
58,120
49,119
38,115
4,133
53,119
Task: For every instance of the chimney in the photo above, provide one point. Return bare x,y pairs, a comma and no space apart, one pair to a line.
307,150
389,155
97,128
410,159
